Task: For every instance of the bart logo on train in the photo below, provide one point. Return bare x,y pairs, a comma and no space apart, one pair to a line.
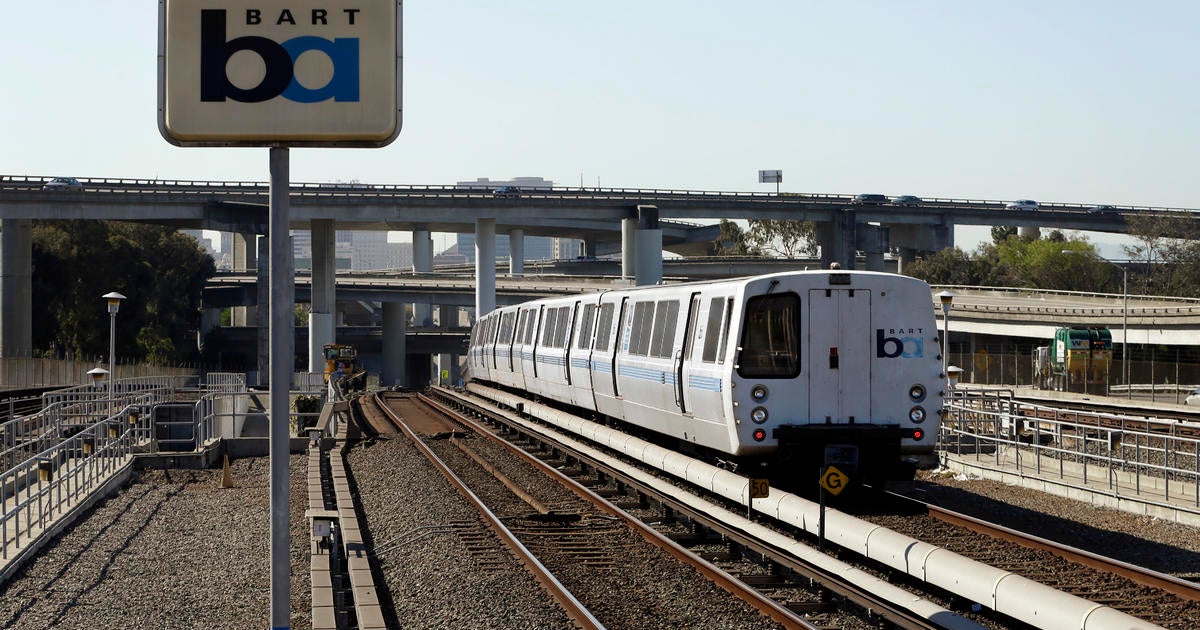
279,58
906,347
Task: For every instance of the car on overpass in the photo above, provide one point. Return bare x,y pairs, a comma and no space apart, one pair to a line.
907,200
869,199
63,183
1193,398
507,191
1021,204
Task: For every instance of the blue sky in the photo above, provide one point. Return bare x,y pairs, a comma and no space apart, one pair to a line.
1057,101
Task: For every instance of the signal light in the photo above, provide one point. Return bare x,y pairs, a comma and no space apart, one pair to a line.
918,434
759,435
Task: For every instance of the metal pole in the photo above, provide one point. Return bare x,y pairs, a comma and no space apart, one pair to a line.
280,374
112,360
1125,329
946,340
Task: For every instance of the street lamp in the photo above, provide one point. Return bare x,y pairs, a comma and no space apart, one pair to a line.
114,305
97,374
1124,316
946,298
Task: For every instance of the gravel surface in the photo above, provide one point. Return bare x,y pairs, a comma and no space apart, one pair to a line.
171,550
431,576
1137,539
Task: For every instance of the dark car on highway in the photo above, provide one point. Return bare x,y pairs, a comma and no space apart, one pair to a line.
507,191
63,183
869,199
907,200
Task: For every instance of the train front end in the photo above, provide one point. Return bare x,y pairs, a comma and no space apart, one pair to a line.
838,367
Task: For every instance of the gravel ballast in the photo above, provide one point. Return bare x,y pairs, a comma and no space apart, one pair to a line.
171,550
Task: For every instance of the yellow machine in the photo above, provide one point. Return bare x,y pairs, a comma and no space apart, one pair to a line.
340,353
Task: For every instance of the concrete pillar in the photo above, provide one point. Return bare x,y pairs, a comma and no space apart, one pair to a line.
485,266
394,351
446,315
649,247
628,247
588,248
16,288
422,263
245,259
873,241
321,330
516,252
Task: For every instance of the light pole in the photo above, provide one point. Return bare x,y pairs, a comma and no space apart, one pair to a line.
1124,317
946,298
114,305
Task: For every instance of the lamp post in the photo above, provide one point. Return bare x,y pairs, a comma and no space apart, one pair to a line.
1124,317
114,305
946,298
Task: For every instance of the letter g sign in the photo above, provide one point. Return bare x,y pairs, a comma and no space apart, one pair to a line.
279,59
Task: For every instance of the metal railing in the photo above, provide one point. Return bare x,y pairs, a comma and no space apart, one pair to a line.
1150,460
224,382
50,482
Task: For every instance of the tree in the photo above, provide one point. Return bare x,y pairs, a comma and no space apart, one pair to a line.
948,266
160,271
733,241
782,237
1168,250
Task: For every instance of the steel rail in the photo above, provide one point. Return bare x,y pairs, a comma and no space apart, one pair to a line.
1141,575
571,606
866,600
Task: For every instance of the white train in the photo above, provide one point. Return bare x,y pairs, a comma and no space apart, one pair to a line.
764,371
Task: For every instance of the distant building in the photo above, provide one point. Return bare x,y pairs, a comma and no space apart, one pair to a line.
536,247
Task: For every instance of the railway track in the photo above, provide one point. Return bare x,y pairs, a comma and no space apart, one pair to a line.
1148,602
815,590
1162,599
585,551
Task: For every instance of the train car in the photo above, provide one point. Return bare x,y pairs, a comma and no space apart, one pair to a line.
765,372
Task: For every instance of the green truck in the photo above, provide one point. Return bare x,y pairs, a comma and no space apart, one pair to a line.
1077,360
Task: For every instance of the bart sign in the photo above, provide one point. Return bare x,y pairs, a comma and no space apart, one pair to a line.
279,72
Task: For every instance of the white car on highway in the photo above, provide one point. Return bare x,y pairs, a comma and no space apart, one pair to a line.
1193,398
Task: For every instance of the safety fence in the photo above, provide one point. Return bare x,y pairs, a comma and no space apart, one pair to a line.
1151,460
47,483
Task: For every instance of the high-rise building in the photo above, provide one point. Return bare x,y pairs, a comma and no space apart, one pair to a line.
536,247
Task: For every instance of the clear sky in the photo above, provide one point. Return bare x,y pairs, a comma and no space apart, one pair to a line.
1072,101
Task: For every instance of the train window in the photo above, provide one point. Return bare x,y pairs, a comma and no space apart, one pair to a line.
604,328
689,335
725,332
563,326
530,327
712,330
551,318
666,317
770,337
643,318
585,327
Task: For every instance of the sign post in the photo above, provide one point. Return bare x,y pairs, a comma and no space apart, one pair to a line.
759,489
279,74
834,480
771,177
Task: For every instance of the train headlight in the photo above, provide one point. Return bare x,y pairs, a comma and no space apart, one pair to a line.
759,435
917,415
759,415
916,393
759,393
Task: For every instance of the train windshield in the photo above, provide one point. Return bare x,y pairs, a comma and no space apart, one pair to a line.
770,337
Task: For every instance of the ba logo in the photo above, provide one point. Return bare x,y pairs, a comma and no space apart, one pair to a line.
279,59
903,347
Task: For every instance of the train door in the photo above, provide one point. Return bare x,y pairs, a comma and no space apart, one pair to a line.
838,357
622,344
683,357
